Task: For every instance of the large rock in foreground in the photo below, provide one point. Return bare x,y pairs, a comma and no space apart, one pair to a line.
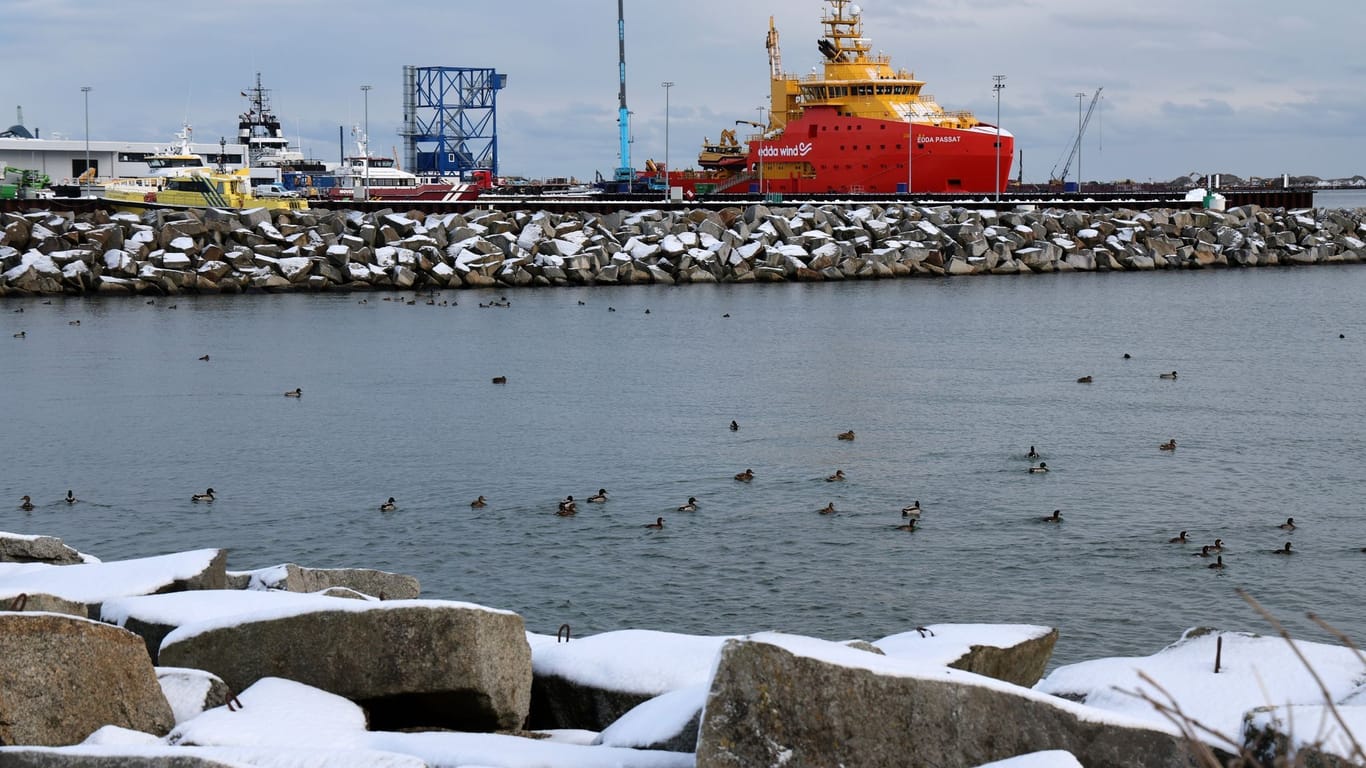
783,700
1015,653
62,678
16,548
410,663
295,578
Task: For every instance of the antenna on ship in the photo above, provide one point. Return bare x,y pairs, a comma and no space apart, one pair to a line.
625,173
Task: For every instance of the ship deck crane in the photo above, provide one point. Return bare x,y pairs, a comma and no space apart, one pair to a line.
1055,178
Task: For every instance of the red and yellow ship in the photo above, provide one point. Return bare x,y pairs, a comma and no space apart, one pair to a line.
849,129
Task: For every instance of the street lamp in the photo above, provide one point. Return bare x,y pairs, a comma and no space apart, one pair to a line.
1000,83
910,152
763,130
1080,95
85,89
666,85
365,185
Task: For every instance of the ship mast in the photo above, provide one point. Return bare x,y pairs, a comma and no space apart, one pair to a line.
775,54
844,42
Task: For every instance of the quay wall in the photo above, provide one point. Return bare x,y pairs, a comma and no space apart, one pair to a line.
170,252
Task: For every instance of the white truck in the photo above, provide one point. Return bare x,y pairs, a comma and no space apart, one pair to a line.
273,190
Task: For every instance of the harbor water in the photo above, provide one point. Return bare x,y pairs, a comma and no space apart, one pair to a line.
946,384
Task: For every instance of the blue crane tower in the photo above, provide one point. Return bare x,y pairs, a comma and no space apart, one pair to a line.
625,174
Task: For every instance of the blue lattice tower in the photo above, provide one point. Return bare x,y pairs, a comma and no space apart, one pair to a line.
450,119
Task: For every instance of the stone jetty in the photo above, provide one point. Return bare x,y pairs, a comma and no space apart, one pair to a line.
167,252
174,660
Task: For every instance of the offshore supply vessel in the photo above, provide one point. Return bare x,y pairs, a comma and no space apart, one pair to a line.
849,129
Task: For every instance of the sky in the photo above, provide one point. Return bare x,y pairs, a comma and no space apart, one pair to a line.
1247,87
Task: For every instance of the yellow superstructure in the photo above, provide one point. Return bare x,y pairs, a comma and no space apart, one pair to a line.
200,189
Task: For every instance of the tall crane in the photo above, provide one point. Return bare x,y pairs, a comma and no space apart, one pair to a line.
625,174
1055,178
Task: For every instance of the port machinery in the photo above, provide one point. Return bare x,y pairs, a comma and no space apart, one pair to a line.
450,121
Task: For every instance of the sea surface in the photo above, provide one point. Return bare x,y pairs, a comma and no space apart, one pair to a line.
946,383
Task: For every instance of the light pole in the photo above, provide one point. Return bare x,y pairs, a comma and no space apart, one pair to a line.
999,84
910,152
666,85
365,185
1080,95
85,89
763,129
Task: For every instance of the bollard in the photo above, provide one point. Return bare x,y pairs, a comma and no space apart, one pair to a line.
563,630
1218,652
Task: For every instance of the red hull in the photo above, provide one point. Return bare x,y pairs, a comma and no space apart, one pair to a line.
823,152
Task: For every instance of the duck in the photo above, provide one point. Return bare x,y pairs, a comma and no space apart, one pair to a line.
1288,525
1204,551
828,509
205,496
205,358
837,477
734,427
1178,539
846,435
1218,564
1056,517
568,507
478,503
74,322
500,379
1217,546
26,504
388,506
657,524
599,497
1171,375
1043,467
295,393
1084,380
691,506
745,476
1283,550
1033,454
1127,356
70,497
1170,445
909,526
911,511
21,334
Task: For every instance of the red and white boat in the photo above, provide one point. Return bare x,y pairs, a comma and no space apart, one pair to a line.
367,177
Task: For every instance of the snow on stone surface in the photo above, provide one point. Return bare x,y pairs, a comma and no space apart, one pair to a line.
946,643
185,690
1053,758
114,736
1255,672
275,711
490,750
656,720
845,656
632,660
177,608
312,604
1314,725
98,582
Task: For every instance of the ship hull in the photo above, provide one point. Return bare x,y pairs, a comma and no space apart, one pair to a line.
826,153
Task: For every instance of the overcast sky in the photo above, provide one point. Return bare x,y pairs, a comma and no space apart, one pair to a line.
1250,87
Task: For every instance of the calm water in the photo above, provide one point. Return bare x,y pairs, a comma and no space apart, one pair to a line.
946,382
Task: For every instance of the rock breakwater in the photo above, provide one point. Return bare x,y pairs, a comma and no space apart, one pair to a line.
173,252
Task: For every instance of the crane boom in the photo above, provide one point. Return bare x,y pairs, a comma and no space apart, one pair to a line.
625,172
1076,145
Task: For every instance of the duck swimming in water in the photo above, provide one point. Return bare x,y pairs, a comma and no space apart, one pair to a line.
568,507
1043,467
691,506
1288,525
1033,454
1171,375
1178,539
478,503
1056,517
829,509
910,526
734,427
1217,564
745,476
295,393
1283,550
911,511
70,497
657,524
388,506
26,504
1170,445
846,435
837,477
205,358
599,497
1084,380
205,496
1217,546
1204,551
